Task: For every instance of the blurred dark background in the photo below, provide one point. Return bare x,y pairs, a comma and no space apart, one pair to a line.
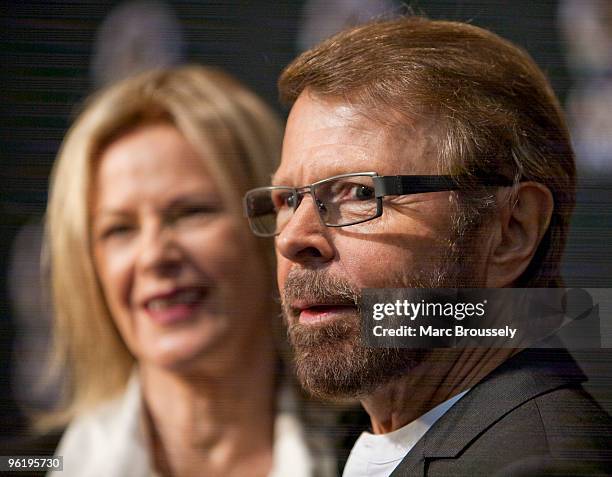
55,53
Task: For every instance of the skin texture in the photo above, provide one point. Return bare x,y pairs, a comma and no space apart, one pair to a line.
412,244
325,138
160,226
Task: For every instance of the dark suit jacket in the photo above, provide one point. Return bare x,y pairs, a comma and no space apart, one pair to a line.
530,416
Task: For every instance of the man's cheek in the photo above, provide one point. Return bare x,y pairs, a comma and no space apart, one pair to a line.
372,270
282,270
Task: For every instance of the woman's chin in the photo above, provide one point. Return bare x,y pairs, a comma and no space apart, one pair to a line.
184,352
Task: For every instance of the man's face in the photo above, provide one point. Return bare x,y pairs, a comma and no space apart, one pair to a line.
321,270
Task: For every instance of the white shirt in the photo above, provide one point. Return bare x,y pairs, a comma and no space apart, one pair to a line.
377,455
110,441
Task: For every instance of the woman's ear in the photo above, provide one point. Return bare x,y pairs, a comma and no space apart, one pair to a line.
520,225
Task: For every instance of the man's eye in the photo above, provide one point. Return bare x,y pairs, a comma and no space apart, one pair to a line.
364,192
284,200
352,191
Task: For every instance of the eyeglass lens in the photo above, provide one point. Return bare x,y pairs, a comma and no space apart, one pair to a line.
339,201
346,200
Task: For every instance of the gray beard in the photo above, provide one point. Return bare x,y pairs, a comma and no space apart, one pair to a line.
330,358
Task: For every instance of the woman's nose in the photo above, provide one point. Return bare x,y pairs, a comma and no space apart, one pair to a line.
160,251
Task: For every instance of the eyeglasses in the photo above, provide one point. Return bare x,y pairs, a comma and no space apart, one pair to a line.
344,200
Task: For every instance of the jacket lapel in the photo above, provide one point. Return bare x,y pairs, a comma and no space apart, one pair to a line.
413,463
528,374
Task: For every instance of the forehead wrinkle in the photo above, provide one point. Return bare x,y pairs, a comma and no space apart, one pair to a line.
355,129
416,137
409,143
327,164
320,160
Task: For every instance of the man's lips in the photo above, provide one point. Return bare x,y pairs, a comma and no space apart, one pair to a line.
316,313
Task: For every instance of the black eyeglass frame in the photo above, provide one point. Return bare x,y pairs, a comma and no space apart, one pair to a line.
383,186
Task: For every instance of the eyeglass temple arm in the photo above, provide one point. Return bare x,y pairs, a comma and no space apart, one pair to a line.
401,185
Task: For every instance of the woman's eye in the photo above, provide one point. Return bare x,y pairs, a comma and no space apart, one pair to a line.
197,211
116,231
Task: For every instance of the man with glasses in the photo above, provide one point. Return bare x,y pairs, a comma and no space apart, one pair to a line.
427,154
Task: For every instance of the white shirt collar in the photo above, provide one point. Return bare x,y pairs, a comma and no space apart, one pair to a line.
377,455
110,440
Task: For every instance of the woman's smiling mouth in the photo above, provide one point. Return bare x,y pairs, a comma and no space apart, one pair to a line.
176,306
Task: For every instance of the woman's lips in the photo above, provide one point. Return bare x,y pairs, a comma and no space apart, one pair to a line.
320,313
175,307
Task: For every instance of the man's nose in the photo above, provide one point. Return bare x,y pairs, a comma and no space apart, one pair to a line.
305,239
160,251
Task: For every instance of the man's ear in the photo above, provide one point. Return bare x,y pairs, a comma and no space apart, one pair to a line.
518,229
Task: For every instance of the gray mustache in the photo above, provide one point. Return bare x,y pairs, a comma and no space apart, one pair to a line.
320,286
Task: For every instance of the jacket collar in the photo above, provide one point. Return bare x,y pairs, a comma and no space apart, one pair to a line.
524,376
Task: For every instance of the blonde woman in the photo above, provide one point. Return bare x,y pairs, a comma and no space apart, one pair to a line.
162,297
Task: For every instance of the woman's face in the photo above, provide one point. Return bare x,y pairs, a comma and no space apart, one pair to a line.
179,273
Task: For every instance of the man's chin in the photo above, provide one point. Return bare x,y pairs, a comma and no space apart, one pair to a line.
332,362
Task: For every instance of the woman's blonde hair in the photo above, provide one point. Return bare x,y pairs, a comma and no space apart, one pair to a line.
236,135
